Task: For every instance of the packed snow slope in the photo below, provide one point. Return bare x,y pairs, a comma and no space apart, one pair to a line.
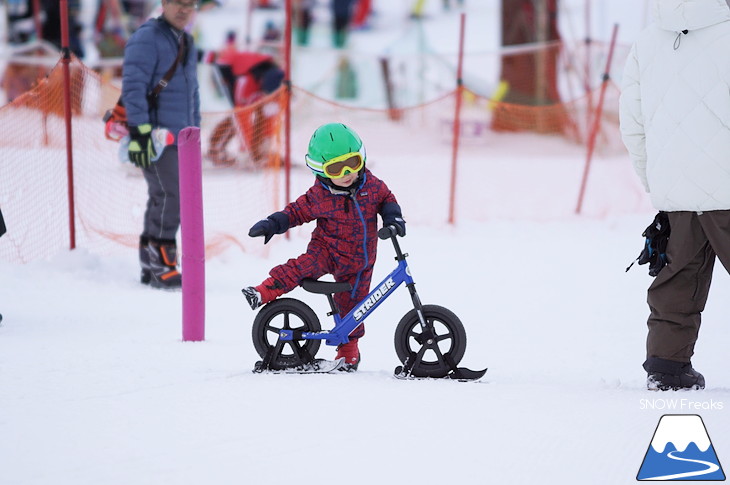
96,386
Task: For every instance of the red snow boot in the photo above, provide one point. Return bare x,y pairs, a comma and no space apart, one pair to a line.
262,294
351,354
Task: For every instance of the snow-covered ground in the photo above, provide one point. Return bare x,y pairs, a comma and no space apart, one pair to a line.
96,386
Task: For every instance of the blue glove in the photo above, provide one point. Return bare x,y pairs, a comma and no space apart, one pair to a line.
276,223
141,149
392,216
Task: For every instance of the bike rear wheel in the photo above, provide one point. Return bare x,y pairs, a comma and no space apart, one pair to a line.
432,357
285,314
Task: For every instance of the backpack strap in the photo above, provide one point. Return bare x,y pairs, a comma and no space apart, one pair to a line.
162,83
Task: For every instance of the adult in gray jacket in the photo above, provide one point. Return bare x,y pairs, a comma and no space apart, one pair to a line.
675,122
150,52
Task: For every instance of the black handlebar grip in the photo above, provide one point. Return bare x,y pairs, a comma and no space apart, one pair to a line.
387,232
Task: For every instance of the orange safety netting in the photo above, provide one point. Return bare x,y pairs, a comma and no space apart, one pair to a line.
243,166
110,196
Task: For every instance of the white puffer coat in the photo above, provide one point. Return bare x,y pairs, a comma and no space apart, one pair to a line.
675,106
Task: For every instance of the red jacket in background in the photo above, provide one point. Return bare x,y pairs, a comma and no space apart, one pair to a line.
247,88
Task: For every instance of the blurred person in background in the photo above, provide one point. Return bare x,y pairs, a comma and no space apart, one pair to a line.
248,77
302,20
342,11
18,77
152,51
21,23
341,16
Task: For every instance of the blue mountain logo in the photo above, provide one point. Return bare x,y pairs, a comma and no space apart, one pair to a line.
681,450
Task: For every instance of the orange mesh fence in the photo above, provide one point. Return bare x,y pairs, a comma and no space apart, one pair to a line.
110,196
514,161
242,171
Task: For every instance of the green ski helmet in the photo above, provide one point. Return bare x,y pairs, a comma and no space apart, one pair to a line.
332,141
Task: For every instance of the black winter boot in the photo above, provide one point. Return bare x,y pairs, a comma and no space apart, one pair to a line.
144,260
162,255
253,297
669,375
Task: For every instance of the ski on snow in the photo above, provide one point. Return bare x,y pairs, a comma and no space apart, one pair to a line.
317,366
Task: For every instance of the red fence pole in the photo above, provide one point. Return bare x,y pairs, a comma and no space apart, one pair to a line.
457,121
596,122
66,51
37,19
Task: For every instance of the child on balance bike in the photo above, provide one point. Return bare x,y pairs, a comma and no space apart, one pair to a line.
345,200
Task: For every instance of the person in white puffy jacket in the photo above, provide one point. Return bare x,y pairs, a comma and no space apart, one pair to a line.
675,123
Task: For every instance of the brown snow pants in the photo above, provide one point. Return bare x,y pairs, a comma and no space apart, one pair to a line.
678,294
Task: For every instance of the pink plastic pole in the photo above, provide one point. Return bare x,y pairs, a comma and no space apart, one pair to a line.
192,238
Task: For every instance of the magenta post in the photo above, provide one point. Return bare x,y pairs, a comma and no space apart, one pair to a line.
192,235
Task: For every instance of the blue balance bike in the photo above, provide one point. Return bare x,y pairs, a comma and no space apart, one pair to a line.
430,340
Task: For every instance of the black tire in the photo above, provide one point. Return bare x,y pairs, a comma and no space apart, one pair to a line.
284,314
450,341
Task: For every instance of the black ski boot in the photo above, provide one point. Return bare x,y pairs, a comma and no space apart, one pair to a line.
144,260
253,297
669,375
162,255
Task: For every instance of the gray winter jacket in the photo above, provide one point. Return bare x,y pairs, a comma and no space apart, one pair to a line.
149,53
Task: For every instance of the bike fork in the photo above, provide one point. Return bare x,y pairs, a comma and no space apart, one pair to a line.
425,327
270,360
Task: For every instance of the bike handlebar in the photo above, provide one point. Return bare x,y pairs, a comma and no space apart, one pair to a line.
387,232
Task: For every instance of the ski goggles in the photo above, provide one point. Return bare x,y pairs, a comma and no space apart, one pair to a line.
343,165
339,166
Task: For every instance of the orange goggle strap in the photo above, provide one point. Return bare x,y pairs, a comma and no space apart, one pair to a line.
334,168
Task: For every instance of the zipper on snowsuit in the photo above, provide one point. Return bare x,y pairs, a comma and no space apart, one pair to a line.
353,195
364,244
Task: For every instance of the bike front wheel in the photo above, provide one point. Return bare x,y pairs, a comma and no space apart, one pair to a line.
430,357
285,314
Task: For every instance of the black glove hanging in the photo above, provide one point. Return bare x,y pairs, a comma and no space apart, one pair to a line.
276,223
655,244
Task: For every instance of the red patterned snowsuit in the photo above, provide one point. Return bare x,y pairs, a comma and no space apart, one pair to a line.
344,243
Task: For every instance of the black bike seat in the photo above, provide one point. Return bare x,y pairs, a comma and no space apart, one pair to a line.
324,287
